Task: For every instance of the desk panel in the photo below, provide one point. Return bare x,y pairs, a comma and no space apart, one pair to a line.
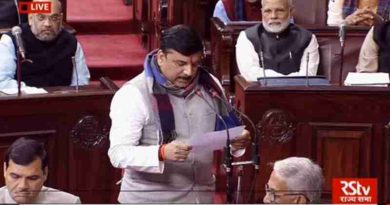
344,129
74,127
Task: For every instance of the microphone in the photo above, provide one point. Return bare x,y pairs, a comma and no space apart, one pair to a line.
227,156
262,65
255,142
17,33
342,32
307,68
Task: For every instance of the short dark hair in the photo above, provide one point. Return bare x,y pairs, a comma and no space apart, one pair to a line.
182,39
24,151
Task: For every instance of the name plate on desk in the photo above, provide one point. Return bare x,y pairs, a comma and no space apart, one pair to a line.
367,79
294,81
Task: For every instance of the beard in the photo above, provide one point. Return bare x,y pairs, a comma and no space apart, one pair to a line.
276,27
47,35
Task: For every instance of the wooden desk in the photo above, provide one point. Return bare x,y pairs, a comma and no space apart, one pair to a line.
344,129
74,127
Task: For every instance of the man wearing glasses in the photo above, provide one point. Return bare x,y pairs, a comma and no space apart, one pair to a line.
50,49
294,180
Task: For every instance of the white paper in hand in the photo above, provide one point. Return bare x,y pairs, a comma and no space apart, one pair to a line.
215,140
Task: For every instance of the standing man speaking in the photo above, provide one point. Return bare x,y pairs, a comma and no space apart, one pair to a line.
154,116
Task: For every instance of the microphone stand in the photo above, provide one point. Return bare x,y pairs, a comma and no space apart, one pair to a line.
262,65
307,69
227,156
255,161
76,73
228,166
341,64
342,34
19,72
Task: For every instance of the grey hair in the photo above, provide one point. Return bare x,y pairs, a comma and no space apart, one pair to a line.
301,175
290,3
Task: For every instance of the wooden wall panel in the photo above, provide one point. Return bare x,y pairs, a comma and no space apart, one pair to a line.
165,13
344,149
310,12
387,163
74,125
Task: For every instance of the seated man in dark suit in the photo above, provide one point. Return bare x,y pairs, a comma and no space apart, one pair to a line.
25,171
294,180
357,12
50,48
375,51
276,45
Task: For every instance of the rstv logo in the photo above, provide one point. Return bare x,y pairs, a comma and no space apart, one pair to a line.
354,191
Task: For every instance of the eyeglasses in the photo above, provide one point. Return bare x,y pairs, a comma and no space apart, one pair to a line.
55,18
274,197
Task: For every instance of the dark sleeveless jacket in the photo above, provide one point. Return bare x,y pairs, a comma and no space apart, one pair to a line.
382,39
52,61
282,52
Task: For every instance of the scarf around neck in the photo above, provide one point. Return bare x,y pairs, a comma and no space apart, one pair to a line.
161,88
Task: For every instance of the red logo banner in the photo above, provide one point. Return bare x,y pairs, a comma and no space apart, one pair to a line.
34,7
354,191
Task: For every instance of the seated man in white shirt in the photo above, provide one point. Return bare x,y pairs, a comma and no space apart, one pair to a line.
357,12
232,10
220,12
375,51
25,171
276,45
50,48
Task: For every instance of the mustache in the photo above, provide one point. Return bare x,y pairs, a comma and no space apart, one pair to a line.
187,78
274,22
48,30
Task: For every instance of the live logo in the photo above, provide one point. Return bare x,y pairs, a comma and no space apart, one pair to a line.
34,7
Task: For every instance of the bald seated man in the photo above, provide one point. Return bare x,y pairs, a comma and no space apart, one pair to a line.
49,47
287,49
